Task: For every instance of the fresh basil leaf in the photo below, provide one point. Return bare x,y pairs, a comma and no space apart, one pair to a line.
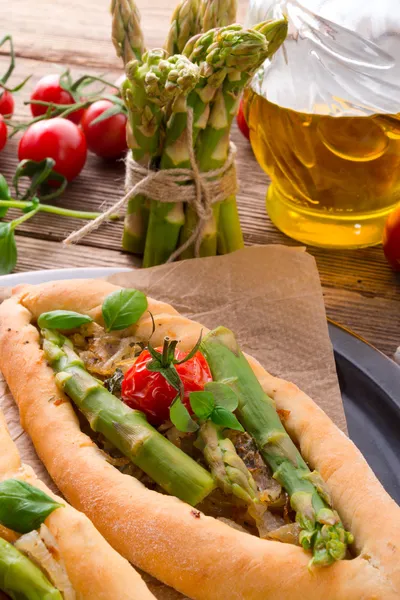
221,416
223,395
180,417
8,249
62,319
4,194
192,352
123,308
202,404
23,507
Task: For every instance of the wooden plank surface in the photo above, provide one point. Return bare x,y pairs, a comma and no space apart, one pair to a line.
360,289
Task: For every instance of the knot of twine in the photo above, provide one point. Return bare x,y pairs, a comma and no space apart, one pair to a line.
199,189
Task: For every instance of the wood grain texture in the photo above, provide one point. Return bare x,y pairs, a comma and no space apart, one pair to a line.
360,289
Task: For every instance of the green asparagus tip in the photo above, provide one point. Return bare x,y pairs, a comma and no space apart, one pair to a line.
275,33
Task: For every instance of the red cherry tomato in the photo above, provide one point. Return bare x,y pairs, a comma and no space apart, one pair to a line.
58,139
391,239
6,104
241,121
3,133
48,89
151,393
106,138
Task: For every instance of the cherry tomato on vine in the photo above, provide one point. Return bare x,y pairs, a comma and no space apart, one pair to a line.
241,121
6,104
108,137
151,393
391,239
59,139
3,133
48,89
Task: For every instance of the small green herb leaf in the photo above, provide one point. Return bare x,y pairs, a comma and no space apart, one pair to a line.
123,308
62,319
8,249
223,395
221,416
23,507
202,404
4,194
180,417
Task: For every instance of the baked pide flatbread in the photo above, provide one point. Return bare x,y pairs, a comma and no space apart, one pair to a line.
345,541
63,557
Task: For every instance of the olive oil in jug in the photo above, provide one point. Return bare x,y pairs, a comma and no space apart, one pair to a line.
324,118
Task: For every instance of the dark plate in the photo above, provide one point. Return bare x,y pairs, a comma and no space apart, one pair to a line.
370,386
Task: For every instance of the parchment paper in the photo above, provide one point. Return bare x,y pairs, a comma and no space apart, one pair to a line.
270,296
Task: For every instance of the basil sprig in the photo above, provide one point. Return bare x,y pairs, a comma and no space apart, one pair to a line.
123,308
8,249
23,507
62,319
216,403
180,417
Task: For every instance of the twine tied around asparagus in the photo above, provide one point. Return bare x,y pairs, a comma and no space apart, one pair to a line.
199,189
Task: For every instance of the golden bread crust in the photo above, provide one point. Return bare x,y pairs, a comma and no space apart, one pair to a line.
201,557
95,569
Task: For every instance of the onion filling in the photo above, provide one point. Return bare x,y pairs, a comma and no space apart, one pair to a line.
41,547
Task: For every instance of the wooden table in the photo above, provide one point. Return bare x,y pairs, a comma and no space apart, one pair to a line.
361,291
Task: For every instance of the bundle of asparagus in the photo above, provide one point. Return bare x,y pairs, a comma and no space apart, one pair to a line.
181,103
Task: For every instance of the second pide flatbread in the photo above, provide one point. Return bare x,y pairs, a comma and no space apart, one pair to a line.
200,556
93,568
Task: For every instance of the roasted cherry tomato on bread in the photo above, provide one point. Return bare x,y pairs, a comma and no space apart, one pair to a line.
107,138
241,121
6,104
48,89
151,393
391,239
55,138
3,133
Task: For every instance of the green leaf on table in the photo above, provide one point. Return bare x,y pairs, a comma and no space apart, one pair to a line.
23,507
221,416
40,173
8,249
180,417
62,319
4,194
202,404
223,395
123,308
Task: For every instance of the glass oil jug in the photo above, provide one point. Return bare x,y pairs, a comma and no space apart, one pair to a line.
324,118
